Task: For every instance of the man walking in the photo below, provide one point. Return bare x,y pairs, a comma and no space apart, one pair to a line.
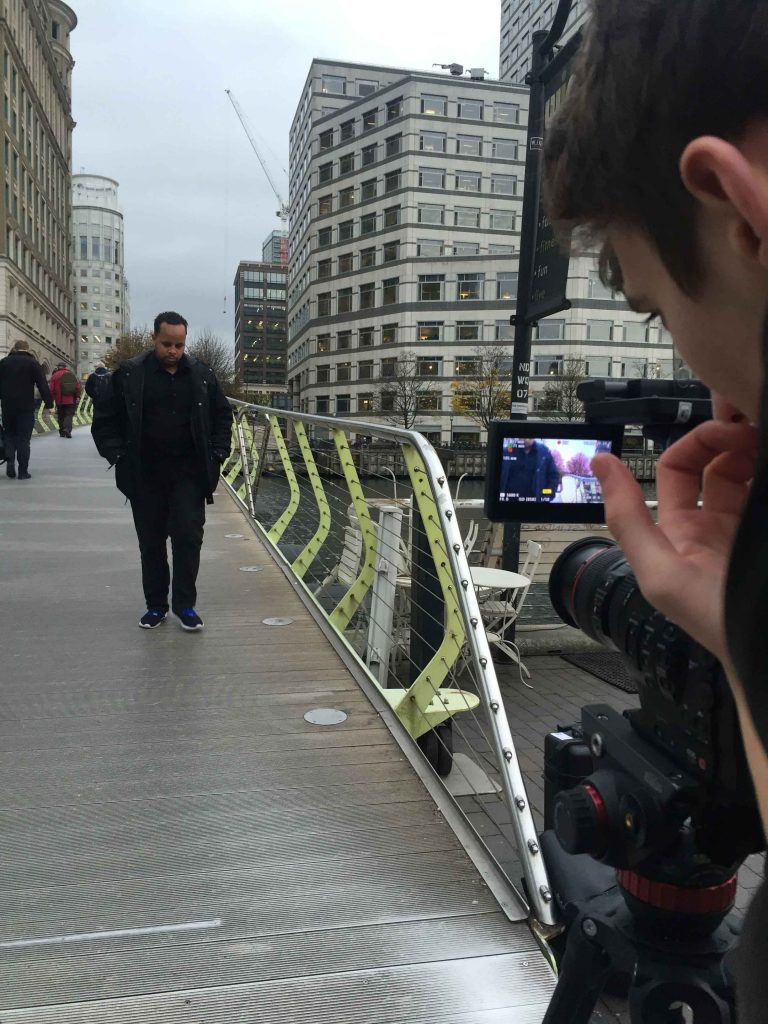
65,388
20,373
97,385
166,427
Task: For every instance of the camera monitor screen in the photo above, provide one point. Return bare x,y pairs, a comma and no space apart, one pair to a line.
540,472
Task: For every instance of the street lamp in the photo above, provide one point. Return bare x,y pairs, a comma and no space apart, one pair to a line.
450,420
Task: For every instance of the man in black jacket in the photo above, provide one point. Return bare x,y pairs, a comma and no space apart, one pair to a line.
166,427
20,372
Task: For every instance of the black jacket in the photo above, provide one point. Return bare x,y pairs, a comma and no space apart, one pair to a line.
19,373
117,423
98,383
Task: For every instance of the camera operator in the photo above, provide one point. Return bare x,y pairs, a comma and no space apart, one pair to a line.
660,152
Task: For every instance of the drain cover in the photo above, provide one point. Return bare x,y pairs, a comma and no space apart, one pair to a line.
325,716
277,620
251,568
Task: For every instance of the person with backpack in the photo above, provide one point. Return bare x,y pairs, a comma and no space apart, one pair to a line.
20,373
65,388
97,385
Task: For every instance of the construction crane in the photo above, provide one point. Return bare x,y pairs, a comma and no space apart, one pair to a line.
282,213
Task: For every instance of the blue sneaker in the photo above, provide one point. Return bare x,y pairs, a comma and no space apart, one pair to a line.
152,617
188,618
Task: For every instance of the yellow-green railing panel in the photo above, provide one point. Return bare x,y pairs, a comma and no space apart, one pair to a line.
305,559
233,465
277,531
342,614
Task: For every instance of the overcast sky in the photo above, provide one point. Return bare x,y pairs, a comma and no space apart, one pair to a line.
151,112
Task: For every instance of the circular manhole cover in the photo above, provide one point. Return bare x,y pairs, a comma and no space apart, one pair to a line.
251,568
325,716
277,620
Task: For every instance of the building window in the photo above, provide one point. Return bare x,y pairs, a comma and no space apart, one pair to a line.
471,109
395,108
345,263
391,216
389,334
323,373
365,402
347,130
429,330
343,371
326,139
368,189
83,247
393,145
392,181
428,366
468,330
506,113
325,205
436,105
637,332
365,86
390,290
504,330
344,341
464,366
347,163
599,330
324,341
370,120
431,287
334,85
365,369
433,142
470,287
551,330
431,177
367,223
322,405
369,155
324,237
597,290
346,198
429,247
325,172
503,184
344,303
506,286
599,366
502,249
342,404
466,248
502,220
468,181
429,213
365,337
504,149
324,304
389,367
467,217
429,402
551,367
346,230
391,251
368,257
367,295
469,145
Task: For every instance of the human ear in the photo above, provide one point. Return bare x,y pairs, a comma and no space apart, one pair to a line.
720,177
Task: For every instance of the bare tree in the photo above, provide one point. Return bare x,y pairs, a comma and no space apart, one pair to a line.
212,350
409,392
559,400
484,394
131,344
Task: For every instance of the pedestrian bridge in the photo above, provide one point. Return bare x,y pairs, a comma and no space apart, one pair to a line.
179,843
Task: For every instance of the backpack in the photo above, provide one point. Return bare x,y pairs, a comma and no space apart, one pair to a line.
98,386
68,383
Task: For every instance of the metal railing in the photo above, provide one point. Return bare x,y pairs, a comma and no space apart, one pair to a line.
376,547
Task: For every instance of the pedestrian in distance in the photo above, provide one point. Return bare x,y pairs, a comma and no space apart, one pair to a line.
166,427
20,374
65,388
659,154
98,382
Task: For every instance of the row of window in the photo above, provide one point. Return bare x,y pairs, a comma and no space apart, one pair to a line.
100,248
30,266
429,177
431,142
263,277
466,107
391,251
469,287
426,213
598,330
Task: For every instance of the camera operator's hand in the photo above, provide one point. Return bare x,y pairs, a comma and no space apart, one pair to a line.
681,563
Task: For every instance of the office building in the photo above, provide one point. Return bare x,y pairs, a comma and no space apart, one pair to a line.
35,263
275,248
599,328
405,194
260,329
98,248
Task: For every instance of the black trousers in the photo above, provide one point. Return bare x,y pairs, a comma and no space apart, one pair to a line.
18,427
169,502
65,415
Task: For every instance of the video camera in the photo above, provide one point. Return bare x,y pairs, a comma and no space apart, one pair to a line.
661,794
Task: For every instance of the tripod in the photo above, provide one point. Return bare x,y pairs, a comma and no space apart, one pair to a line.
673,956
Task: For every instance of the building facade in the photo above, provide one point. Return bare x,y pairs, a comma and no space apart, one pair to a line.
405,195
98,251
275,248
599,332
35,204
261,329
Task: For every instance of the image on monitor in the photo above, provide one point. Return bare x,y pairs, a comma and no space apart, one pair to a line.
549,470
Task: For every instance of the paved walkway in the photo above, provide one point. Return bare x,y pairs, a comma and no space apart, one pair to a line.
176,842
